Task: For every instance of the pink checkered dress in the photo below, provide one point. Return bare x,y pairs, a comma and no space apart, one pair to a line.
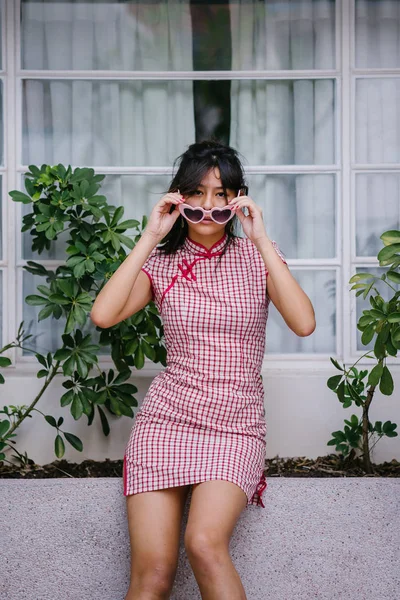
203,416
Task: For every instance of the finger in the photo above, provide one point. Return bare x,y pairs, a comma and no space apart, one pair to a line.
169,199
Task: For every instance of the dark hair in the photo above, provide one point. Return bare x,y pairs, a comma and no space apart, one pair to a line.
194,164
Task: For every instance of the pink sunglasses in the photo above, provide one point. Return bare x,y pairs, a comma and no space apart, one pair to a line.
197,214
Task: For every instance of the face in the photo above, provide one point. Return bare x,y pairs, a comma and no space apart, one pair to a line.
209,194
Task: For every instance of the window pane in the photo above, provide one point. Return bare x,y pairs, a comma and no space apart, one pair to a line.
377,34
377,210
171,35
113,122
137,193
320,287
299,212
378,120
2,342
1,125
1,217
1,31
46,334
284,122
385,291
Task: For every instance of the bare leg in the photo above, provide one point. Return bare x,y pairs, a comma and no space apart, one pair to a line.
214,510
154,521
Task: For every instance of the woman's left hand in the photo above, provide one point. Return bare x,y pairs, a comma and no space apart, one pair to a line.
253,223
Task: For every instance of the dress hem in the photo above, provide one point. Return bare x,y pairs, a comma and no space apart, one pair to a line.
254,500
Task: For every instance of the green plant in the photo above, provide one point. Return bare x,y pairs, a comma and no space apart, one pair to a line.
65,200
383,321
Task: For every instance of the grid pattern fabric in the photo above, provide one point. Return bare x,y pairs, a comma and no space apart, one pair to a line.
203,416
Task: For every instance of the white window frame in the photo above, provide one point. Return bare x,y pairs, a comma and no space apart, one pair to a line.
345,169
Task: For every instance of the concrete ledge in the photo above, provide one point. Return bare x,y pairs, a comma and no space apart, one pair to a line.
316,538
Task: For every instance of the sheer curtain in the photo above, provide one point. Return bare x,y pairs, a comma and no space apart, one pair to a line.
280,122
108,122
377,122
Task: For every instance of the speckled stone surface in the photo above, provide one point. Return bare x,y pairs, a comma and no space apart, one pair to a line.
317,538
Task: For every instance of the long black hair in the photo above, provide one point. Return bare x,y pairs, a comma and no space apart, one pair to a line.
194,164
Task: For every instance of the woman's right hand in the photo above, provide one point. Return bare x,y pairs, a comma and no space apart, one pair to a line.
161,220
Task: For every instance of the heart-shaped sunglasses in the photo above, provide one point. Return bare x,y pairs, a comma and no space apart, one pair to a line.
197,214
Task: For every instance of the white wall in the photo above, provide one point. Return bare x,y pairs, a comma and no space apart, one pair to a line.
301,414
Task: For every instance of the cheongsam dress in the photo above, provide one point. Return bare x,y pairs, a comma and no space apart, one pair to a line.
203,416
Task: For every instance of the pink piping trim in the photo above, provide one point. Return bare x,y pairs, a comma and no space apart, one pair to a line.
151,280
208,250
125,475
260,489
189,266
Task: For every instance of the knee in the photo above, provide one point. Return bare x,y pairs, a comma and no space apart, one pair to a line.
156,576
205,548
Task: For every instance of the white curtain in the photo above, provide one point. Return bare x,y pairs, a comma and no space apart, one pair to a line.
377,122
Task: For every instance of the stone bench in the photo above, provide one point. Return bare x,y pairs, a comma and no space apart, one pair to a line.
333,538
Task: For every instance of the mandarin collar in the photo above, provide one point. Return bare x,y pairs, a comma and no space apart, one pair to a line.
200,249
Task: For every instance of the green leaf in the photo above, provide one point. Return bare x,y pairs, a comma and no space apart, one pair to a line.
367,335
74,441
117,215
4,427
394,317
59,447
375,374
359,276
334,381
139,358
388,252
67,398
333,361
51,420
34,300
386,384
46,312
62,354
76,408
18,196
393,276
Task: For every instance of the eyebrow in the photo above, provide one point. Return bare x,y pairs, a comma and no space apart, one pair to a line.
216,188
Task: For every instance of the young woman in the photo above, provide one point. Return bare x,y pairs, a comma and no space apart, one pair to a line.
201,427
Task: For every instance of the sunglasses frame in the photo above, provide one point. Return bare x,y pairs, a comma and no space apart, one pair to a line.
205,212
210,212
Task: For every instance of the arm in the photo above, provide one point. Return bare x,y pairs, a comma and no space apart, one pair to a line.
129,288
285,292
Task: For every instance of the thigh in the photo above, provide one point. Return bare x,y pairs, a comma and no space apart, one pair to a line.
154,522
215,508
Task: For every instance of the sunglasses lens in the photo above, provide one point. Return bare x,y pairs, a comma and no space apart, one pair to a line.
193,215
222,216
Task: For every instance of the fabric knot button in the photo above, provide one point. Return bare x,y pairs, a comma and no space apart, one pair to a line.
186,270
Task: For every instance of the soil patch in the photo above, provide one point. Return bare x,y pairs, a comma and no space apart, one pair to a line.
332,465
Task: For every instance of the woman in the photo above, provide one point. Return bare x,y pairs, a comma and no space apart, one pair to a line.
201,426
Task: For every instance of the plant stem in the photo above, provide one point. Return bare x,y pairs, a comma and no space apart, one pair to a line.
53,373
